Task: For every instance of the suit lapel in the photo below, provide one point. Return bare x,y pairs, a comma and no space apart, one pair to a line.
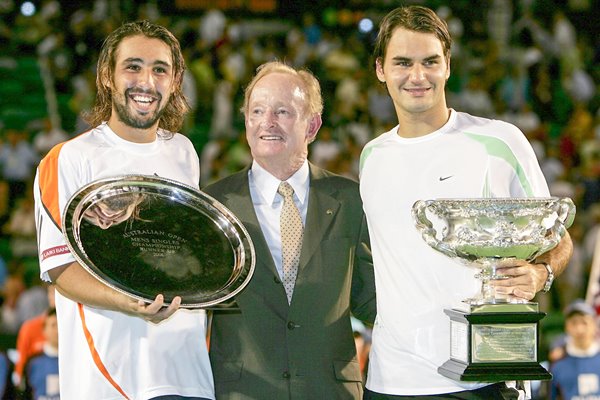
322,210
239,202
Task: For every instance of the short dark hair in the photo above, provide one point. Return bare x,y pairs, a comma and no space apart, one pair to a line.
413,18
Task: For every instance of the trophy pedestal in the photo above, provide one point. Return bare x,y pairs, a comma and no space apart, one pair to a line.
494,342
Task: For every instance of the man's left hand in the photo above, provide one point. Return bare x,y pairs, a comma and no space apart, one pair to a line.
524,279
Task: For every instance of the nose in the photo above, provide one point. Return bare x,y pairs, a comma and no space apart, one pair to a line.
417,73
268,119
145,77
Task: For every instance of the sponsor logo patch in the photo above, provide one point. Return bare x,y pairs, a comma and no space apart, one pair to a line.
55,251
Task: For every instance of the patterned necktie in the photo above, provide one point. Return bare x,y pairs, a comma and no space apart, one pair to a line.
291,237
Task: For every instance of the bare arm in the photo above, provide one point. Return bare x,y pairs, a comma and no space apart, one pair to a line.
527,279
75,283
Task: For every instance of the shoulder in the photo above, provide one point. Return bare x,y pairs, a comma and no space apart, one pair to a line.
177,140
82,141
229,183
324,180
379,141
382,138
175,137
77,148
562,363
468,123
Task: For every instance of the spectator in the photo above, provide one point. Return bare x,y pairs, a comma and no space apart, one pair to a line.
48,137
18,161
41,371
576,376
30,339
12,289
20,228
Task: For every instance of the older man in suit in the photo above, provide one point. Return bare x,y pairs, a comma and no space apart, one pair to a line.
290,336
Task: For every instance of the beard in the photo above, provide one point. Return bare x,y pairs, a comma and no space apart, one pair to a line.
132,118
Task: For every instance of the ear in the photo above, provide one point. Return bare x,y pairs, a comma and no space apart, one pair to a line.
379,69
313,127
105,79
448,68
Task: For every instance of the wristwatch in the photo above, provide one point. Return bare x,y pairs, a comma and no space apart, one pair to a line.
550,278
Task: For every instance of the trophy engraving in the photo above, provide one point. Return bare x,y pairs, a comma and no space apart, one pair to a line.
145,235
493,337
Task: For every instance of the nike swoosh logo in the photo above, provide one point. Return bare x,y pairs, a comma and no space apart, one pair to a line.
443,178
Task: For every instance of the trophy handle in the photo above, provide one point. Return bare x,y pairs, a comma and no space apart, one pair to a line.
424,225
566,212
566,215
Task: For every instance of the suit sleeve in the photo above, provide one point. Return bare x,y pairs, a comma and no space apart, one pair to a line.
363,301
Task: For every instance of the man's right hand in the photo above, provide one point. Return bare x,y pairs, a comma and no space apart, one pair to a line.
156,311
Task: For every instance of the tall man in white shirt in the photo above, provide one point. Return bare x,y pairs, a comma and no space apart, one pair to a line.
112,346
434,152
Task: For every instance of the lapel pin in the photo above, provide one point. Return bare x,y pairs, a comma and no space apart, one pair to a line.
329,211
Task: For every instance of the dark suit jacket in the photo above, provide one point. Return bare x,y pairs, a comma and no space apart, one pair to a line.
268,349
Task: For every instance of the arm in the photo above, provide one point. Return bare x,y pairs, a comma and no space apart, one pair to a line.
75,283
362,298
526,279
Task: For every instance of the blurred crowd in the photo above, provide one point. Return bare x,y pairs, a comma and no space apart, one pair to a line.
533,63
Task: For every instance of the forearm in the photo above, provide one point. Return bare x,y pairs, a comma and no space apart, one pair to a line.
77,284
558,257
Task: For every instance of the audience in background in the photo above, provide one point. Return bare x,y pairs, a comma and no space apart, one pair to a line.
533,63
31,338
41,371
576,375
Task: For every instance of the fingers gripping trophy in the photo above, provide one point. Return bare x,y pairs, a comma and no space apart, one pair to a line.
494,337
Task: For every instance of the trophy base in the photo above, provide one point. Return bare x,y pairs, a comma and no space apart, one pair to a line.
493,372
494,342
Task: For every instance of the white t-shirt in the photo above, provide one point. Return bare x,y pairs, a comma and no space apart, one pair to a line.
468,157
127,356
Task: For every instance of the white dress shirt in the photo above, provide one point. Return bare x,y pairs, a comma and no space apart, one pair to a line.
267,204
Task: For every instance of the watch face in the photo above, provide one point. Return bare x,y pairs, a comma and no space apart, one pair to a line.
144,236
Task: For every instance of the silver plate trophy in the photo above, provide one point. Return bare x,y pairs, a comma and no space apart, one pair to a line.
493,337
145,235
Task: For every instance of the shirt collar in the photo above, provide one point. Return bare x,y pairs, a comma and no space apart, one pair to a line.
267,184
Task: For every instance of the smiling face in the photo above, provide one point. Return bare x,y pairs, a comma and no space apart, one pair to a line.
278,124
141,85
415,72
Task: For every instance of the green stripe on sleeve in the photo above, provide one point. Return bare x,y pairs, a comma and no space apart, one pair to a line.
498,148
363,157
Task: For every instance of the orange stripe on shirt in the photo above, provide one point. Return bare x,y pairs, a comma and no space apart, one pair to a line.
95,355
48,181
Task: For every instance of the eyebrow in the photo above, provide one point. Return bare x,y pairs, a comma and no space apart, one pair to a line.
430,58
140,60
